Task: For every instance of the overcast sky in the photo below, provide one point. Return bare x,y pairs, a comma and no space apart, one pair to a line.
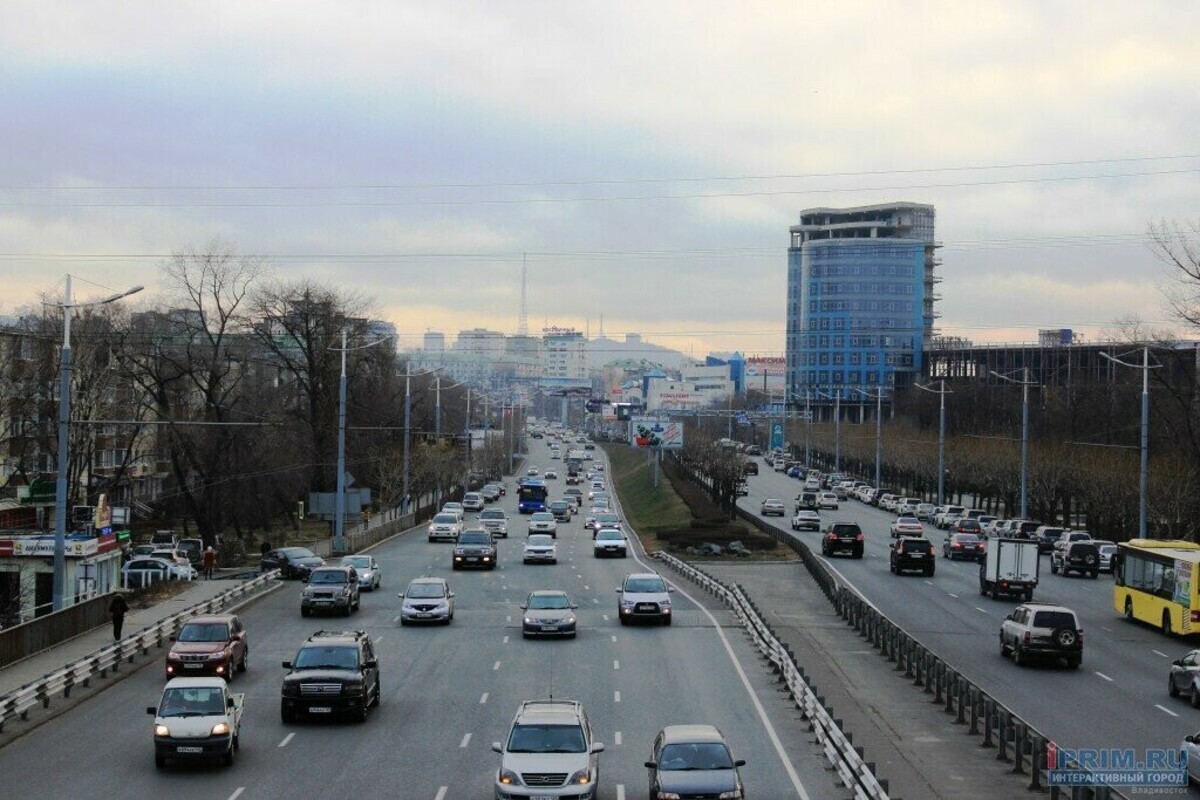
646,157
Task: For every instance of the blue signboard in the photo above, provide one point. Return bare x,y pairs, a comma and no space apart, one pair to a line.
776,435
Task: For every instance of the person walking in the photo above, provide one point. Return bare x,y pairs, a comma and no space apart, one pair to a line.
117,608
210,562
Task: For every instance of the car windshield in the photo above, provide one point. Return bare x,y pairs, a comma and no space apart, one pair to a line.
327,657
327,576
358,562
917,546
549,601
846,530
908,521
470,537
609,518
1054,619
193,701
546,739
445,519
609,535
694,756
297,552
492,513
645,586
425,591
542,516
560,504
539,540
204,632
966,538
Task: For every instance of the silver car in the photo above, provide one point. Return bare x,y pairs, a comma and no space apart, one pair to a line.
644,595
427,600
369,574
540,547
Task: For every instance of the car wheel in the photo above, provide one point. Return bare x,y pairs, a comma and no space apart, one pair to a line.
1166,623
304,612
348,610
1172,691
1195,699
403,622
1018,656
360,716
227,759
1095,574
160,761
245,662
1053,567
1003,648
929,572
1129,609
667,621
892,567
624,621
1074,663
287,715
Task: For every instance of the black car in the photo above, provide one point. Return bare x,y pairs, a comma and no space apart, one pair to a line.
842,536
1081,557
693,761
292,562
911,553
549,612
474,548
335,673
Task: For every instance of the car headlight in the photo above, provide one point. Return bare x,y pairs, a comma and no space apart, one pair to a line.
733,794
666,796
162,730
220,729
291,690
509,778
570,620
581,778
627,604
529,620
353,689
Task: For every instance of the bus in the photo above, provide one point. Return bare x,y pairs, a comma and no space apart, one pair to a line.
1158,582
531,496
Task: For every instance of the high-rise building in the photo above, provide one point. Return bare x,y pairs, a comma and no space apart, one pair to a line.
860,298
564,356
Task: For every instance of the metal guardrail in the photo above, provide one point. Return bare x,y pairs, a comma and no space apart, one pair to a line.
18,703
1016,741
856,774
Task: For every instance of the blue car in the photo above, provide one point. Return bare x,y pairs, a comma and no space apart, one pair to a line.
795,472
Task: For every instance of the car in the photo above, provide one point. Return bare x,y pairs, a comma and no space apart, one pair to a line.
427,600
693,761
554,456
172,554
533,472
1191,748
494,521
610,542
912,553
164,539
806,521
145,570
966,525
193,549
551,744
334,673
474,548
330,588
445,525
749,467
549,612
454,507
1081,556
551,475
574,496
842,536
603,518
1047,536
827,501
1184,678
741,489
539,547
1107,551
963,545
141,550
561,510
924,511
773,507
490,492
806,501
984,521
993,528
1065,539
1044,630
950,513
887,501
599,467
543,522
644,595
812,484
210,644
589,446
473,501
370,576
907,526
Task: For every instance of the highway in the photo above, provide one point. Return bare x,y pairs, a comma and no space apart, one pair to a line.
449,692
1117,698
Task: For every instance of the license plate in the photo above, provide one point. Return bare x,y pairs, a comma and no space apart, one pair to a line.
472,558
192,666
645,608
918,555
549,627
189,749
424,614
320,710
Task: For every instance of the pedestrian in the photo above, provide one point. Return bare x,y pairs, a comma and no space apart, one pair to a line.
210,561
264,548
117,608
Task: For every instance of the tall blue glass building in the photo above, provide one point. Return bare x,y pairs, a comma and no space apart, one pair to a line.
860,299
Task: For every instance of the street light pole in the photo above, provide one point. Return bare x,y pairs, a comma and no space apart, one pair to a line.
1144,477
404,503
807,431
941,437
878,431
58,593
1024,383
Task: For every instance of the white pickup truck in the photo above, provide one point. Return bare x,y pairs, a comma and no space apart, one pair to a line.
197,719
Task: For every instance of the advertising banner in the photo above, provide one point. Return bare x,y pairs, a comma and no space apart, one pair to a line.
776,435
660,433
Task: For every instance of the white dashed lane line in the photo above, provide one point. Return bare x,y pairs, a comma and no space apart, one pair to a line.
1160,653
616,664
620,791
617,738
465,741
1165,710
1105,677
286,739
483,698
237,793
496,666
441,793
981,610
616,697
614,638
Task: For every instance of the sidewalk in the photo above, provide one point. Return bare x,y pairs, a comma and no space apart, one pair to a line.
32,668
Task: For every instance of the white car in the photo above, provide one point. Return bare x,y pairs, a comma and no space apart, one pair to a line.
773,506
445,525
907,526
455,508
551,475
806,520
369,575
540,547
427,600
145,570
532,472
543,522
827,500
610,542
599,467
473,501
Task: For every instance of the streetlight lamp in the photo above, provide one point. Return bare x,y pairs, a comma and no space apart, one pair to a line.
1144,478
1024,383
64,415
878,432
339,502
943,391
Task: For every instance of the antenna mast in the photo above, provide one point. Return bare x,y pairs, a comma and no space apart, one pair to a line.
523,317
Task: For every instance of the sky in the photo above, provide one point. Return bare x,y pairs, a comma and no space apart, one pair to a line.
642,160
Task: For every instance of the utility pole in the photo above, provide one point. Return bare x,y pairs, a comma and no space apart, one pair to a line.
406,500
1024,383
1144,477
941,437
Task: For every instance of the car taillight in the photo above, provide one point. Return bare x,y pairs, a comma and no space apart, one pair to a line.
858,538
956,546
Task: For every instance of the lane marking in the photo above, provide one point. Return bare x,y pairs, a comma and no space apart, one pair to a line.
378,639
441,793
617,738
952,594
594,600
605,616
496,666
287,739
1160,653
614,637
505,640
620,791
397,619
981,610
1167,710
929,583
1102,675
616,697
616,664
237,793
586,586
483,698
465,741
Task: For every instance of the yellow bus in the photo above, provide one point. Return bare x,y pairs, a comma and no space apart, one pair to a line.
1158,581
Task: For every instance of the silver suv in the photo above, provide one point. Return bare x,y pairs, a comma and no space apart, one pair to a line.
644,595
494,521
1042,629
550,752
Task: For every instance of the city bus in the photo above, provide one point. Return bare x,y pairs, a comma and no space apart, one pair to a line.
531,496
1158,582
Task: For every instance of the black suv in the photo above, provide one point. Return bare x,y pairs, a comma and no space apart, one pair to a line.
1081,557
841,536
475,548
330,588
333,674
912,553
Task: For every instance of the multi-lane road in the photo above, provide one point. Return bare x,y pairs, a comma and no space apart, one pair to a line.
1118,698
449,692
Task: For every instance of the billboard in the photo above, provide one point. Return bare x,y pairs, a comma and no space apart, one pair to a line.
660,433
776,435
